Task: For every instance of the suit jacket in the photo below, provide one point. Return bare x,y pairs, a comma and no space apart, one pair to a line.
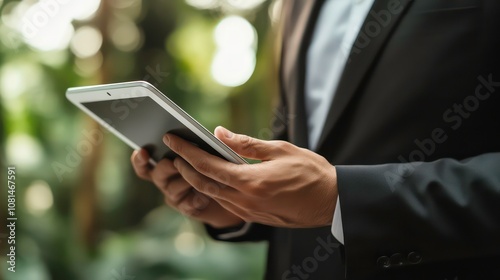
414,131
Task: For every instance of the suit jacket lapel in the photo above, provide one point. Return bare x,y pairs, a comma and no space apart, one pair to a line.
362,56
301,20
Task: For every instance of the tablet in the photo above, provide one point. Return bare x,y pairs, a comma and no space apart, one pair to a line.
139,114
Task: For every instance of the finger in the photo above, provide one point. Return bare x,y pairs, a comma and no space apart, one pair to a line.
177,188
225,196
200,182
214,214
169,181
163,170
174,202
180,195
194,204
201,207
209,165
140,164
247,146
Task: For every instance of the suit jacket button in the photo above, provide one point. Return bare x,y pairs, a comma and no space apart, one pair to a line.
414,257
384,262
397,259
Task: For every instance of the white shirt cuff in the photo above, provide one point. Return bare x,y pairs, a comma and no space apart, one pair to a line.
233,234
337,229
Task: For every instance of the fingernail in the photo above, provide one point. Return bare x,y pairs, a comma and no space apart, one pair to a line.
228,134
166,140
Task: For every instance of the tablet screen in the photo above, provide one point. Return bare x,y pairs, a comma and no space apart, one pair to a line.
144,122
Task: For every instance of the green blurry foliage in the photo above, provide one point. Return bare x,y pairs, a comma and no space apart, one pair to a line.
98,221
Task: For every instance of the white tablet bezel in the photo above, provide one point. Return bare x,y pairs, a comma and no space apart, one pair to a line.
79,95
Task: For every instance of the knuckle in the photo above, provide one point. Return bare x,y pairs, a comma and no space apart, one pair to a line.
282,145
175,196
168,202
247,143
239,180
197,182
179,166
185,209
175,192
224,175
258,189
159,179
247,182
202,165
200,201
242,181
160,183
134,158
168,193
188,210
212,189
165,165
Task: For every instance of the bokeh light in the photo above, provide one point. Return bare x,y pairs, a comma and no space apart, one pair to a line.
24,151
189,244
235,31
86,42
90,65
233,68
12,13
45,31
125,35
122,4
245,4
83,10
234,61
17,77
203,4
75,206
38,197
47,25
275,11
228,5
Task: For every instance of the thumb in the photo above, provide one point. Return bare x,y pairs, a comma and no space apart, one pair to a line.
244,145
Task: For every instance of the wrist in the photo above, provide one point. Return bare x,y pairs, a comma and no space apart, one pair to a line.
330,200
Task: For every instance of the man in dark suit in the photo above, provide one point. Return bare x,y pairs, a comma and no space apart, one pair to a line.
403,179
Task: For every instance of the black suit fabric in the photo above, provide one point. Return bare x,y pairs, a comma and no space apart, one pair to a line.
414,131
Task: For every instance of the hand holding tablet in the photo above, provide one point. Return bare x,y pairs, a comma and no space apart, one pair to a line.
287,181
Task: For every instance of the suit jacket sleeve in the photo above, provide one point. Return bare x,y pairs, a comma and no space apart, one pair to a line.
412,214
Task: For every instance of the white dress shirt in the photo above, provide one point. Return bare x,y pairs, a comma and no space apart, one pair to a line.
336,30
